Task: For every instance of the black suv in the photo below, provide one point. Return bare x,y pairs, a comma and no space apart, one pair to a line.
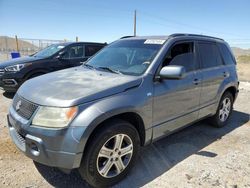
55,57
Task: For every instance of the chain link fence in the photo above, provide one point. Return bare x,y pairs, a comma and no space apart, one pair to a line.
26,46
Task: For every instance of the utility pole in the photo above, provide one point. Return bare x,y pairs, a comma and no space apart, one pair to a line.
135,23
17,46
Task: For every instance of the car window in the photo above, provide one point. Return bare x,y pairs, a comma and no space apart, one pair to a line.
226,54
92,49
210,55
128,56
76,51
181,54
50,50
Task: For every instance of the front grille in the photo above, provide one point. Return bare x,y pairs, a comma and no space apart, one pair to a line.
23,107
1,72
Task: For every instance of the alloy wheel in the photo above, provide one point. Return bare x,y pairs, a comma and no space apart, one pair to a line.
114,156
225,109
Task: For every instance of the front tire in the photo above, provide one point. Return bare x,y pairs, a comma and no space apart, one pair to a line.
110,154
224,110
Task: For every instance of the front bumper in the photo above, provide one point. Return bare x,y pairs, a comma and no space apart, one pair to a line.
10,82
56,148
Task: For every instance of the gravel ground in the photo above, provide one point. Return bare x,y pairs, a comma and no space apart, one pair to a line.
198,156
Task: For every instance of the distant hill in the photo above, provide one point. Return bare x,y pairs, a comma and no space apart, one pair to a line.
11,44
242,55
239,51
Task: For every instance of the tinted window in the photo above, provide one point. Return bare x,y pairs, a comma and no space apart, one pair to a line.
226,54
91,50
210,55
181,54
186,60
74,52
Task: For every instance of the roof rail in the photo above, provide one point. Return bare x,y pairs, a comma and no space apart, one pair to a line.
126,37
193,35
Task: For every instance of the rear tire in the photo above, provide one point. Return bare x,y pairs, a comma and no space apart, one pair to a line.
110,154
224,110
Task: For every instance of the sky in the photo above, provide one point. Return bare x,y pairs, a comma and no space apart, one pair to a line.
108,20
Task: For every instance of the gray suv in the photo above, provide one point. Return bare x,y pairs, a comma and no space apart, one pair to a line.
134,91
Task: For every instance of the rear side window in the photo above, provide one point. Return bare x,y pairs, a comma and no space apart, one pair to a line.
210,55
226,54
92,49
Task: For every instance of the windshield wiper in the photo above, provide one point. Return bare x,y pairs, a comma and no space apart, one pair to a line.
89,66
110,70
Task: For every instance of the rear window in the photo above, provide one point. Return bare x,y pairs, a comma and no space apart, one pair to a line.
227,55
210,55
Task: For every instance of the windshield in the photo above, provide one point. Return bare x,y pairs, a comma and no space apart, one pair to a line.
127,56
49,51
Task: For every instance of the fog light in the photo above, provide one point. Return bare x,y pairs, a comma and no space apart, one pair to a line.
34,149
10,82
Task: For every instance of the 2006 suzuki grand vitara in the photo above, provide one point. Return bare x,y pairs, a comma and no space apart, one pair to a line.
138,89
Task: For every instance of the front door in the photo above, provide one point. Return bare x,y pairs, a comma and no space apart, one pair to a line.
176,102
73,56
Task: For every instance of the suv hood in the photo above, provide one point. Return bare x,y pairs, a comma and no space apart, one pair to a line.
75,86
19,60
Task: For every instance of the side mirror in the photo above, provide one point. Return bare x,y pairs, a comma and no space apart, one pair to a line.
84,61
60,55
172,72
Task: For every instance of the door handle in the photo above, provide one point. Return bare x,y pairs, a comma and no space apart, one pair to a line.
196,81
226,74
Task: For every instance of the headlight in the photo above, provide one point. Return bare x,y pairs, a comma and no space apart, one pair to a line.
15,68
54,117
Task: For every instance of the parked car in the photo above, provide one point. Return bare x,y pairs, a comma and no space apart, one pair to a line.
55,57
136,90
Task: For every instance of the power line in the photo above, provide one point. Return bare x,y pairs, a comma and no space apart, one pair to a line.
185,25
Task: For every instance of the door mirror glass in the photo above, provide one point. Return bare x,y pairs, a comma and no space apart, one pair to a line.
172,72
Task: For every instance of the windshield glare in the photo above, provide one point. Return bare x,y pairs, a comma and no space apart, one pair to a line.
126,56
49,51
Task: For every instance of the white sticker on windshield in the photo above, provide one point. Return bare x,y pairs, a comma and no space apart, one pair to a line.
60,47
154,41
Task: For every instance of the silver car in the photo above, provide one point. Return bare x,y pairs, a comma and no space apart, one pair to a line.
95,117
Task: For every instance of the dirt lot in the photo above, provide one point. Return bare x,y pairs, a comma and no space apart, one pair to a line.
198,156
244,71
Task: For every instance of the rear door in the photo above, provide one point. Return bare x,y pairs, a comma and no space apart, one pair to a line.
213,74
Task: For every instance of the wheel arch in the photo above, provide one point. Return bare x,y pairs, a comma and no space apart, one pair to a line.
230,88
35,71
130,116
